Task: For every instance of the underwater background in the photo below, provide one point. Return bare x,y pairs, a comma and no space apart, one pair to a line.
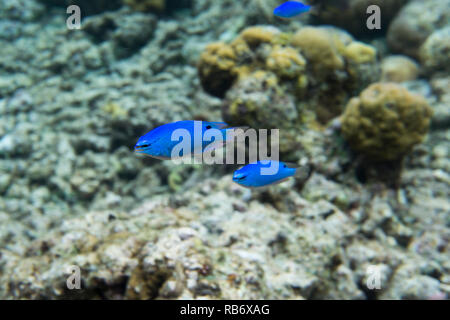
367,110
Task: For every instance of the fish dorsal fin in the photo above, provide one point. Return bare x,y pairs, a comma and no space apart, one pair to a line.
219,125
223,125
236,128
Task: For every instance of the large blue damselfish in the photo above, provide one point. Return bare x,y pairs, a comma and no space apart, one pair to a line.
290,9
254,176
158,143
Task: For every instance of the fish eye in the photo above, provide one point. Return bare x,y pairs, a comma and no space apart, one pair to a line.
284,166
208,127
144,146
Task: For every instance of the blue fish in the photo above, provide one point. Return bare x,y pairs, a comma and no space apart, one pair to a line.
290,9
159,142
263,173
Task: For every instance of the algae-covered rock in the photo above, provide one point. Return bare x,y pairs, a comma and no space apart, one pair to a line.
170,249
415,22
204,244
385,121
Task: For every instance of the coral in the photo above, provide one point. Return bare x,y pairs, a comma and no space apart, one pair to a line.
414,23
286,62
351,14
221,64
398,68
317,68
257,35
320,47
217,68
339,65
385,121
359,52
435,52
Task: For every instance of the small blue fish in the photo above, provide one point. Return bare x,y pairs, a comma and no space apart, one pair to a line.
159,143
263,173
290,9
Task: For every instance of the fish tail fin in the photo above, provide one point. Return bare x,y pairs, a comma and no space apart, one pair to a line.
304,172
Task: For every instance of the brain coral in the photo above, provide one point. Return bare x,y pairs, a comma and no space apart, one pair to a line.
398,68
385,121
